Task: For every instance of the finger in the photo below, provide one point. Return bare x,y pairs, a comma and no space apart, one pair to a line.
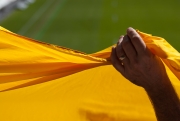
119,49
115,62
137,41
120,52
120,39
129,49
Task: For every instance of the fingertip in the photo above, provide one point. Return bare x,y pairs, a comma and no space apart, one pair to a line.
130,29
136,40
131,32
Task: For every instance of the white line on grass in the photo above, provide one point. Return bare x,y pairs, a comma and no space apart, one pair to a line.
35,17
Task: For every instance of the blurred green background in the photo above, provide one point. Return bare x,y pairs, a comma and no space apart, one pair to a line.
92,25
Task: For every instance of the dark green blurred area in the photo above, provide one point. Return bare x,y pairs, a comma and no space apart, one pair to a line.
92,25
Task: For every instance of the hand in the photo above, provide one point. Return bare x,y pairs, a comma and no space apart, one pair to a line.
135,62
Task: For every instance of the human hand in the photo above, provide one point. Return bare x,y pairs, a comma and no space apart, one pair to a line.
135,62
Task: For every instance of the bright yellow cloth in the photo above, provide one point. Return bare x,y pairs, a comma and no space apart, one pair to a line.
44,82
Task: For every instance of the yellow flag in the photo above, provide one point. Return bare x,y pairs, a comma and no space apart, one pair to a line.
45,82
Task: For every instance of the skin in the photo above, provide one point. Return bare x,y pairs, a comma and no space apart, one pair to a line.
143,68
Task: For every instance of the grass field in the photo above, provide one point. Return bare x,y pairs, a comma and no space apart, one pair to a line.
91,25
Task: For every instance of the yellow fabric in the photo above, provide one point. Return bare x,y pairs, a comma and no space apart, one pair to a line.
44,82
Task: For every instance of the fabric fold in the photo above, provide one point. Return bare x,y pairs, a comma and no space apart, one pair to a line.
40,81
